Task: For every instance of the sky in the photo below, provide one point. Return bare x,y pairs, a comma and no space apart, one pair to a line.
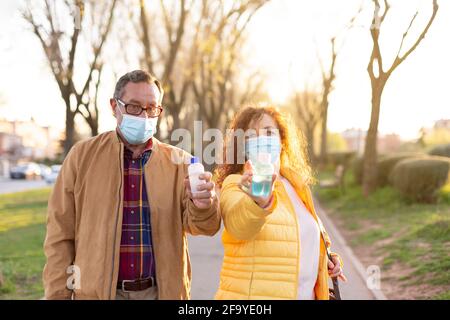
284,39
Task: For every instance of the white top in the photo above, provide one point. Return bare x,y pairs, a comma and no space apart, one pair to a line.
309,245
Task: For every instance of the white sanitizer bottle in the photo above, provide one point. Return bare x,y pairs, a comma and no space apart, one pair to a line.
195,169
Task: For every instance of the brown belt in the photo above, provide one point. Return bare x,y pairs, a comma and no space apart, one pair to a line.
136,285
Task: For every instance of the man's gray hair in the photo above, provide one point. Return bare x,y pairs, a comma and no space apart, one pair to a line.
136,76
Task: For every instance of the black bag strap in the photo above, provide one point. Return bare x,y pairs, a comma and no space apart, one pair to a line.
337,294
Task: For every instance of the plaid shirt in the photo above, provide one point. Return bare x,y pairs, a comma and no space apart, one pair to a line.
136,251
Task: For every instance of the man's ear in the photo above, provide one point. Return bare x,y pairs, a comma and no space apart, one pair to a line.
113,104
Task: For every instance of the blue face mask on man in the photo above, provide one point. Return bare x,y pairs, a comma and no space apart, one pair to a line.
137,130
263,144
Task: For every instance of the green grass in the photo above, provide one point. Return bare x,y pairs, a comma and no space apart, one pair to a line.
22,232
419,234
443,296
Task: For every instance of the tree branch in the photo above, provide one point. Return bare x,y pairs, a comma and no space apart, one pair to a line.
98,49
145,38
399,59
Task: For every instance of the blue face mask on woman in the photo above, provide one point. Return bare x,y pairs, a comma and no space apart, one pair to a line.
137,130
263,144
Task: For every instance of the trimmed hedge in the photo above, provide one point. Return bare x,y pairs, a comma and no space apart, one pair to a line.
442,150
420,179
340,158
387,163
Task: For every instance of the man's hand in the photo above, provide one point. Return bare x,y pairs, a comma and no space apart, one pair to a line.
203,198
246,185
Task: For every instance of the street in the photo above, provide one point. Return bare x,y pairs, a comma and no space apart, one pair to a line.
206,257
9,185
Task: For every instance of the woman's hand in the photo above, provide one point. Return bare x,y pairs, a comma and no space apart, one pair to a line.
246,185
335,270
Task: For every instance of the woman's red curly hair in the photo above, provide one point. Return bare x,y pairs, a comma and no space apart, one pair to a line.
293,144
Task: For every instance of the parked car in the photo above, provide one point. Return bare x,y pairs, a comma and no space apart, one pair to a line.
51,178
45,170
29,170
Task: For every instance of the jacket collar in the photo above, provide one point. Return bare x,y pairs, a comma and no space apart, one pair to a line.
301,189
114,139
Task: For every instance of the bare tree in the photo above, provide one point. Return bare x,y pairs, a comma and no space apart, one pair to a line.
327,86
60,43
378,79
163,63
196,55
328,77
307,104
221,38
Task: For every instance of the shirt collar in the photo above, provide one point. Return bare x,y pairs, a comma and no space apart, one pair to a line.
148,146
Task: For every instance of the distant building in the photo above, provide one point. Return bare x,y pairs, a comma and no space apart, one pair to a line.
442,124
36,141
388,143
10,151
356,139
10,144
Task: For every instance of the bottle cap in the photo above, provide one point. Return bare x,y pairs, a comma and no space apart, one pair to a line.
194,160
264,157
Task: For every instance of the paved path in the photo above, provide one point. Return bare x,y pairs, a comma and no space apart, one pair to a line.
206,256
8,185
355,288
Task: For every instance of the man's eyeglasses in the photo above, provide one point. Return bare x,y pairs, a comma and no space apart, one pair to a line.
136,109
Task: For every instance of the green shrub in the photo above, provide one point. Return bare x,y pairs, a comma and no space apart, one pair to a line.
383,164
442,150
420,179
387,163
340,158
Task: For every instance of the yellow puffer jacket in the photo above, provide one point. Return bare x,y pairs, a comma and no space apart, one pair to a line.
261,259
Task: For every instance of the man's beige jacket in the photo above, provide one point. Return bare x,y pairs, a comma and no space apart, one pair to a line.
85,221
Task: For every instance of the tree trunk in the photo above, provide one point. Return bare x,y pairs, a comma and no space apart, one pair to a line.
323,138
171,111
370,149
310,139
70,130
176,121
94,127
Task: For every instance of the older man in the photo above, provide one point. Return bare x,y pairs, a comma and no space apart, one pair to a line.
121,207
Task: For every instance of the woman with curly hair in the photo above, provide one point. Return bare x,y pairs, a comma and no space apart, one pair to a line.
273,247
